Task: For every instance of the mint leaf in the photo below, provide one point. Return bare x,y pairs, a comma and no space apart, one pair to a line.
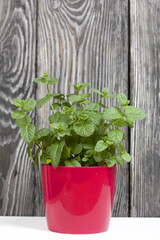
120,147
100,146
52,81
115,136
126,156
57,95
84,129
110,163
105,91
122,99
112,113
110,96
92,107
66,152
29,151
98,157
37,156
80,86
43,158
119,160
119,122
96,91
94,117
28,104
54,151
72,163
41,133
27,133
23,121
133,113
46,80
17,102
74,98
43,100
85,159
88,143
130,123
55,106
18,114
40,80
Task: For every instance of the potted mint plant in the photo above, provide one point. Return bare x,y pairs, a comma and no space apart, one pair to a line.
78,154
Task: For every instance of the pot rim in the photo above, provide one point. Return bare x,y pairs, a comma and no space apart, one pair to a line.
94,167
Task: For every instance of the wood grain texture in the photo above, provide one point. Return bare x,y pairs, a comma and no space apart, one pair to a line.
145,93
17,69
84,41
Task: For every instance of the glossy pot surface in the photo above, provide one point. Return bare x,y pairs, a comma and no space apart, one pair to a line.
78,199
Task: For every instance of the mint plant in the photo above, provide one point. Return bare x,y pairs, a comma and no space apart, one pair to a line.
79,133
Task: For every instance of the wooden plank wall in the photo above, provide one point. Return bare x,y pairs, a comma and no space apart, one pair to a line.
112,43
145,93
17,69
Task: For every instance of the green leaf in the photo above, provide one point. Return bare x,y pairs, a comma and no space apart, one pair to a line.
41,133
84,129
119,160
110,96
27,133
120,147
112,113
115,136
105,91
85,159
98,157
84,95
40,80
54,118
130,123
55,151
94,117
88,143
23,121
55,106
119,122
43,158
96,91
29,151
80,86
43,100
37,156
52,81
58,95
92,107
100,146
59,126
111,163
17,102
28,104
122,99
18,114
133,113
74,98
76,148
126,156
66,152
72,163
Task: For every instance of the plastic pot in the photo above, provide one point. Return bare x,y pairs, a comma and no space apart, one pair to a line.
78,200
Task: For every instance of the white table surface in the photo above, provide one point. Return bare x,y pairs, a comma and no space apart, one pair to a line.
120,228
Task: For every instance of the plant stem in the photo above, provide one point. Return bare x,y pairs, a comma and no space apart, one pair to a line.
99,100
50,100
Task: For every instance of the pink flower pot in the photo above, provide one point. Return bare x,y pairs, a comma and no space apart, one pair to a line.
78,199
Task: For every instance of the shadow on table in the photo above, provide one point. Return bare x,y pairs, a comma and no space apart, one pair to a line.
36,223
